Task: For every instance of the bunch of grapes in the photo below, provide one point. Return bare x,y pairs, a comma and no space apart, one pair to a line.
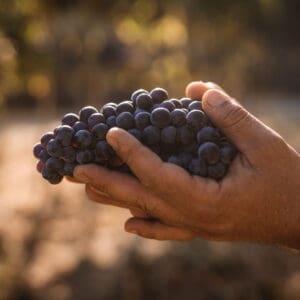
175,129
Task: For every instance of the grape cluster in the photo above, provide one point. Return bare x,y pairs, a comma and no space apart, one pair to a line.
177,130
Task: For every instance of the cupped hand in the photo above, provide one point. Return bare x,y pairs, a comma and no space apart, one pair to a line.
258,200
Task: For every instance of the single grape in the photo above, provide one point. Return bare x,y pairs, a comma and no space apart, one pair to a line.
99,131
69,169
84,156
160,117
217,171
178,117
168,105
185,159
111,121
175,160
136,133
110,104
85,113
55,164
37,148
79,126
168,135
195,105
198,167
228,154
108,110
195,119
94,119
159,95
151,135
125,106
176,103
209,152
54,148
69,119
82,139
104,151
64,134
208,134
185,102
135,95
144,101
52,176
125,120
68,154
46,138
44,155
40,165
184,135
142,120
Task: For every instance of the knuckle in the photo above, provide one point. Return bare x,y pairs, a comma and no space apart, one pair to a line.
234,114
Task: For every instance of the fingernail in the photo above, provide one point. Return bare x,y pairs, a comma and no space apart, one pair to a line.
215,98
131,231
97,191
82,177
112,140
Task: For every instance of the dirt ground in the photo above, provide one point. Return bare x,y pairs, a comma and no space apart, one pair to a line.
54,244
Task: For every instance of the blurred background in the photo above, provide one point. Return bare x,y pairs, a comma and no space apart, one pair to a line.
57,56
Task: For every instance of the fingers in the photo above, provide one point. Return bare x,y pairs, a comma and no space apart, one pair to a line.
153,229
121,187
244,130
72,179
146,165
196,89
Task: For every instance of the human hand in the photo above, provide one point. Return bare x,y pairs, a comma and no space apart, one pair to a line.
258,200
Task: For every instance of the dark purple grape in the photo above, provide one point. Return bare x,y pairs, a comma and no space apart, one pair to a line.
144,101
99,131
111,121
168,105
108,110
184,135
79,126
46,138
37,148
191,147
185,159
125,120
104,151
208,134
209,152
175,160
168,135
84,156
44,155
151,135
68,154
55,164
40,165
195,105
135,95
110,104
69,169
198,167
64,134
185,102
176,103
159,95
217,171
82,139
54,148
52,176
125,106
69,119
195,119
228,154
136,133
95,119
124,168
178,117
160,117
85,113
142,120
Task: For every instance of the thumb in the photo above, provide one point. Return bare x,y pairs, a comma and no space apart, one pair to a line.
243,129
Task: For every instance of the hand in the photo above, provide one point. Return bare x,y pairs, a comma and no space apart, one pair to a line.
258,200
